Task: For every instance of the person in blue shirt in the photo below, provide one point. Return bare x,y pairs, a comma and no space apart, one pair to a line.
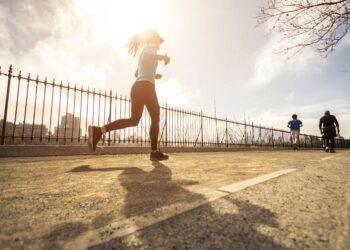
294,126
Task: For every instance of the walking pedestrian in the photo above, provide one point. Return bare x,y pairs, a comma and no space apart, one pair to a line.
143,91
328,125
294,126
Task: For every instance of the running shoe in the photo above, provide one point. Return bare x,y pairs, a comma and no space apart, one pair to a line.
94,136
158,156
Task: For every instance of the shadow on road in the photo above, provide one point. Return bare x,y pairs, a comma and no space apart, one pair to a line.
203,227
87,168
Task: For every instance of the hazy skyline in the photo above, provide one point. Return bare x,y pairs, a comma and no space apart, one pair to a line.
217,53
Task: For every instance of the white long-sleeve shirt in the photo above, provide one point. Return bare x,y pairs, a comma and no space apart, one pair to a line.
148,63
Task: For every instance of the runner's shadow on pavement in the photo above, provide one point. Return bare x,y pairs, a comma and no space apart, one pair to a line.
206,228
237,227
87,168
151,190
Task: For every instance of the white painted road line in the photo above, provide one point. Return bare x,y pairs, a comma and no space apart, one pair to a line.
130,225
326,158
251,182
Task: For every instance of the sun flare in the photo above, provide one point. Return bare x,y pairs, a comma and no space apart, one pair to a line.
113,22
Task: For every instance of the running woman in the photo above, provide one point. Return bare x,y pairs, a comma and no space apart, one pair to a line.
143,91
294,126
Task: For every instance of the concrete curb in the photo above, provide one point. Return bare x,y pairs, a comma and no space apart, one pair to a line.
67,150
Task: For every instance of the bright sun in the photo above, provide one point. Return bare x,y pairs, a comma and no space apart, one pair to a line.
113,22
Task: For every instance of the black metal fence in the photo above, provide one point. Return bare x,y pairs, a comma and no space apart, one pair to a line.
40,111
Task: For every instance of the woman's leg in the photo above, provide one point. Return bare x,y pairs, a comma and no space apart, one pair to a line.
137,105
153,108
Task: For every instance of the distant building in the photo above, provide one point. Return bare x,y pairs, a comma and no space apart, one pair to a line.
69,126
19,131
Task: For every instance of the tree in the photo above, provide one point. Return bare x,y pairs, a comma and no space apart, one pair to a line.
321,24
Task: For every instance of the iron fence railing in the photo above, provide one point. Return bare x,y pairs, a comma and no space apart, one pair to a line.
40,111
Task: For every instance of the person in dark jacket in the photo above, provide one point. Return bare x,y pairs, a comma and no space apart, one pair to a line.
328,124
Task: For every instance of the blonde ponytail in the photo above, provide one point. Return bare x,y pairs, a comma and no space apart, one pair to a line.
134,44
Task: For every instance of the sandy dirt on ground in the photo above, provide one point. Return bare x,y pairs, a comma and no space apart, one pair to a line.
51,202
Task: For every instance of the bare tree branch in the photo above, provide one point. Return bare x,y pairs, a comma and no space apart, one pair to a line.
321,24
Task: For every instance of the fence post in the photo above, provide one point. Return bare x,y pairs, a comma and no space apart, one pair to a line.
110,116
226,134
260,136
6,105
166,125
245,133
253,135
311,141
202,142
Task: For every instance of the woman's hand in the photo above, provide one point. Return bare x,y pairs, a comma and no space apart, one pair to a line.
158,76
166,59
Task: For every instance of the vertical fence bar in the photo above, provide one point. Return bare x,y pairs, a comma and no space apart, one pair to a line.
226,132
59,111
6,105
80,111
87,113
115,117
74,99
93,106
253,134
110,116
43,111
260,137
53,89
245,133
120,115
166,124
311,141
65,121
25,107
36,93
125,117
104,117
202,142
17,97
99,108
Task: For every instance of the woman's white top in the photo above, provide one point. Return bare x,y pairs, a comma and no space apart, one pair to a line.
148,63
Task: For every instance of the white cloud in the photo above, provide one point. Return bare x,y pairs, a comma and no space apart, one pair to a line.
272,63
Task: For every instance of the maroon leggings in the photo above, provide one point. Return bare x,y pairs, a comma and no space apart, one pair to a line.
142,94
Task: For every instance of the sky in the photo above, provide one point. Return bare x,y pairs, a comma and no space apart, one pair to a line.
218,55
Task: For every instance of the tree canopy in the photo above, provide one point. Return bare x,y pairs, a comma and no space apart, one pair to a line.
321,24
